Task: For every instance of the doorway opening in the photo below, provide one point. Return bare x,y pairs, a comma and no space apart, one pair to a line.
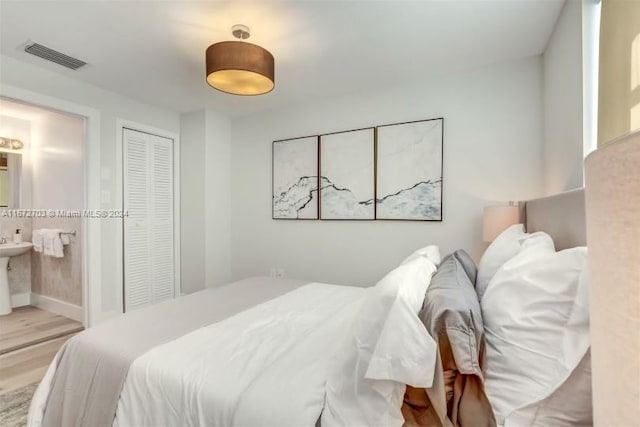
42,227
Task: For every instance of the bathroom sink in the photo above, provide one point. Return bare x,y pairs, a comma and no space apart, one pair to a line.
13,249
8,250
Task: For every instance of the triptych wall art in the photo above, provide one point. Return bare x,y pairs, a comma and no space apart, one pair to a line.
391,172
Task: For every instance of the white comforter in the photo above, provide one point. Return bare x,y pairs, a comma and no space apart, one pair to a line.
265,366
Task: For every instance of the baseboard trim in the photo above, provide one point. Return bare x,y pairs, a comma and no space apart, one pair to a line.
68,310
20,300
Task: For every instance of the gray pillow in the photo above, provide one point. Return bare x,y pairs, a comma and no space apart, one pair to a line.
451,307
467,263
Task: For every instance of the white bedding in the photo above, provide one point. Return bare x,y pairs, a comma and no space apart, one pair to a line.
264,366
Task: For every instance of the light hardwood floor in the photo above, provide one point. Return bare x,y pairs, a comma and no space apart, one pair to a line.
27,365
27,326
29,339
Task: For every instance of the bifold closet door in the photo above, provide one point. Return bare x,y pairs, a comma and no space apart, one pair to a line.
148,225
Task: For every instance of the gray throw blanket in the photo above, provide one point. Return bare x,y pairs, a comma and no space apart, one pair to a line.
93,365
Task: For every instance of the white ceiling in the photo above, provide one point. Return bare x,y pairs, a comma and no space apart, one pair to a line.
153,51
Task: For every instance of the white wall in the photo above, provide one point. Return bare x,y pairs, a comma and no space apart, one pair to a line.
492,152
111,106
57,162
218,198
563,109
192,201
206,206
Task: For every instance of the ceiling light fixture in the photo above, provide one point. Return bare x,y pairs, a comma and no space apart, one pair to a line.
238,67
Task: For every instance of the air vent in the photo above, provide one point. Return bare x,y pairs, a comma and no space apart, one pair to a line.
53,56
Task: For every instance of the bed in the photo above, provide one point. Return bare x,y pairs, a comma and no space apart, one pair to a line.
83,385
254,352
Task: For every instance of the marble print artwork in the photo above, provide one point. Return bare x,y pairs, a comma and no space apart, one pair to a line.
409,171
295,178
347,175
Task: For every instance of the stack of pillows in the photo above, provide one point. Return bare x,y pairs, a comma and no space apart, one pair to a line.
441,343
535,309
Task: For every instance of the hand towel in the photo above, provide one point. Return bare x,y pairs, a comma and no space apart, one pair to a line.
50,241
53,244
37,238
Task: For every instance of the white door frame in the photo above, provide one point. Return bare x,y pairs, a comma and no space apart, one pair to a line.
91,241
121,124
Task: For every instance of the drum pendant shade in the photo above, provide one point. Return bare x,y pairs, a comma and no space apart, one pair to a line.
240,68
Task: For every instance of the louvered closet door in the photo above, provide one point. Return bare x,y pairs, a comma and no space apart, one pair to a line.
148,228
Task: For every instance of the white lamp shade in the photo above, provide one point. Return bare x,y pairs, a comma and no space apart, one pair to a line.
613,237
496,219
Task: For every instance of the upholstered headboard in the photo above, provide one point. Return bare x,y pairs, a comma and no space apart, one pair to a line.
562,216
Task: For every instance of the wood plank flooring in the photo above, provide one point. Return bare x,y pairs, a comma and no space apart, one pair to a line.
27,365
27,326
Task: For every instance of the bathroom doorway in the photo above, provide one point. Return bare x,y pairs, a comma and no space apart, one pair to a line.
42,249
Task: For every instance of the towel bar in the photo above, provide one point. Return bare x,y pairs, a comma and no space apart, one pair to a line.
73,233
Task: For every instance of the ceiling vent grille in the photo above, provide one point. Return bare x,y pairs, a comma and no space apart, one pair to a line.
54,56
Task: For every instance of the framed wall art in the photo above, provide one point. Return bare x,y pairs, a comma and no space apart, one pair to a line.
347,175
295,178
409,171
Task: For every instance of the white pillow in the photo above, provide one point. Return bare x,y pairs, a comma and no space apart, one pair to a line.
431,252
571,404
501,250
526,311
506,246
389,347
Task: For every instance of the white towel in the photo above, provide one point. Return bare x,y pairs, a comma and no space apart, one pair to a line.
53,243
49,241
65,238
37,238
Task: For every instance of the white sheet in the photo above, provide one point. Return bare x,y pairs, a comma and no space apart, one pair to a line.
84,382
388,348
264,366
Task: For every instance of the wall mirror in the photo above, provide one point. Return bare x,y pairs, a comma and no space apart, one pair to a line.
10,180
